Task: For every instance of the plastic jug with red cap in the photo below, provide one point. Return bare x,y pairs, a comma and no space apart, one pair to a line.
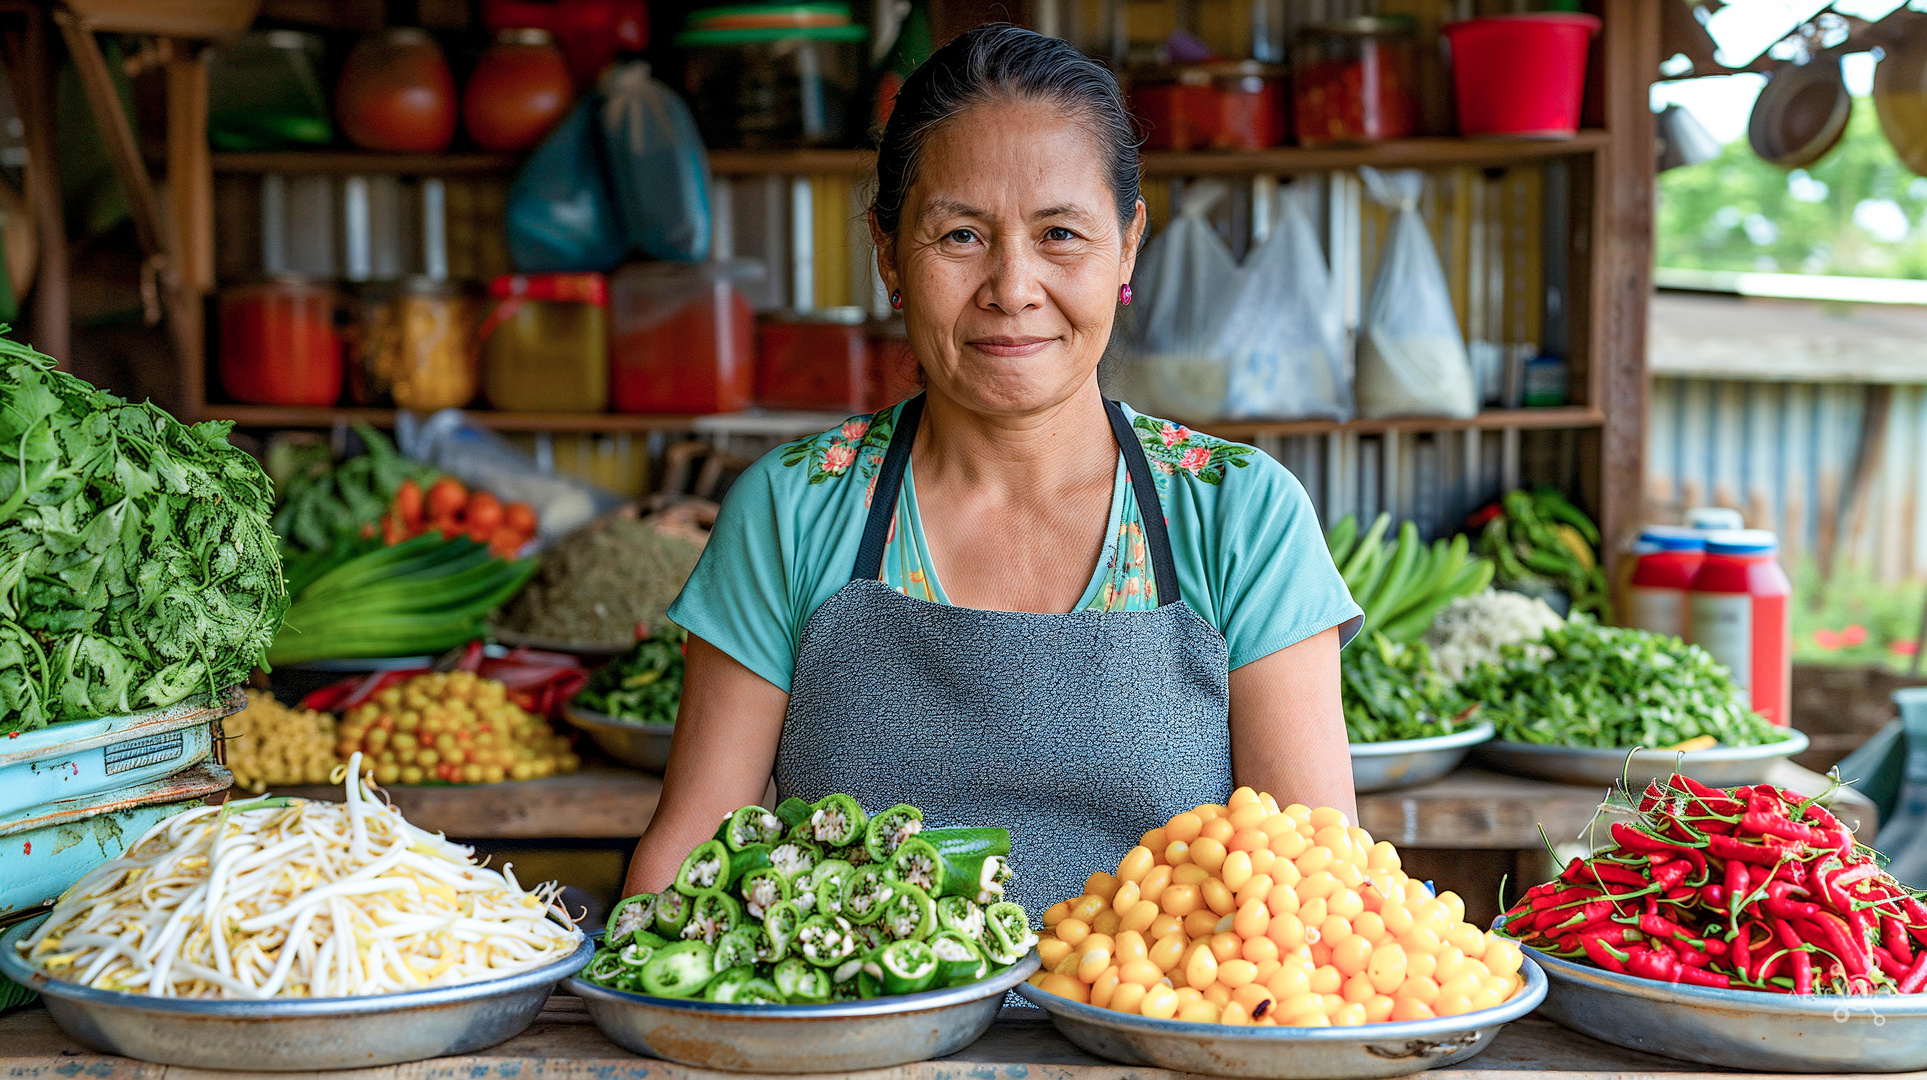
1738,611
1668,557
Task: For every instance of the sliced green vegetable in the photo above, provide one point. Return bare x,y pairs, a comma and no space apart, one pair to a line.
705,868
910,914
738,947
672,913
712,915
634,913
762,890
793,812
836,820
869,888
829,880
750,825
903,967
728,983
959,959
679,970
1008,935
760,992
888,830
795,858
961,914
801,983
825,940
781,923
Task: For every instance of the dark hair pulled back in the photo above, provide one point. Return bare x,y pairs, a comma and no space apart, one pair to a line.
1000,62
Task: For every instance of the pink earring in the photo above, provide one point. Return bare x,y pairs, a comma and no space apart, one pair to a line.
1124,295
896,299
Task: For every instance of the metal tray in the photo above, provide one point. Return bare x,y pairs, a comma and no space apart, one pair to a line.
1722,766
1739,1029
1397,1048
788,1039
585,650
79,758
51,847
295,1034
1403,763
646,746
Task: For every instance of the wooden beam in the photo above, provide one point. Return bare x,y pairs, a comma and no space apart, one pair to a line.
190,209
1622,286
32,75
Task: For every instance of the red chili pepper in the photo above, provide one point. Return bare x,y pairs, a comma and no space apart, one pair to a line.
1680,894
1604,954
1894,935
1802,973
1581,872
1715,800
1916,976
1713,896
1849,952
1689,956
1776,824
1631,838
1740,949
1791,909
1693,976
1668,875
1888,963
1650,963
1562,898
1767,853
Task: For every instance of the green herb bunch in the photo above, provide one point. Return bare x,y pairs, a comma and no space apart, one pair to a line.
1613,686
643,684
1394,691
1539,538
324,503
136,562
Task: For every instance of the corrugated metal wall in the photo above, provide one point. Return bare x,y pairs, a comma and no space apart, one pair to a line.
1786,454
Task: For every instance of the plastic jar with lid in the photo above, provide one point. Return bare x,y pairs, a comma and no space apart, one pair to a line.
545,343
812,360
280,344
1356,81
1739,613
684,338
1666,559
520,88
785,75
416,344
1225,106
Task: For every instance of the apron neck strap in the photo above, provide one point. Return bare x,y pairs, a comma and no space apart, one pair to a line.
883,500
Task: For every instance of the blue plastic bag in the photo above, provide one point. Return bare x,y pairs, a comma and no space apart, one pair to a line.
657,166
561,217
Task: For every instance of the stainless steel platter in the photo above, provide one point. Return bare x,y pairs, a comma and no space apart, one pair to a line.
297,1034
1739,1029
788,1039
1402,763
646,746
1722,766
1287,1053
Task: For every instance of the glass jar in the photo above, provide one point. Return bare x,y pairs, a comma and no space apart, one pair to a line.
685,338
397,94
1356,81
774,77
545,343
813,360
279,342
416,344
519,90
1227,106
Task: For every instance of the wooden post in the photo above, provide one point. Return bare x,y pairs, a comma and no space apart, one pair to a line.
1622,286
32,75
190,206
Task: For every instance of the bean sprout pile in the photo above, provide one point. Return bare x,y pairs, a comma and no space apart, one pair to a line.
281,898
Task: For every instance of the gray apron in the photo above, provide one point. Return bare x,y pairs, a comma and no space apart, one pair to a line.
1078,732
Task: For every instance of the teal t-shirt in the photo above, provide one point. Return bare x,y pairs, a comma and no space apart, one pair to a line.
1250,555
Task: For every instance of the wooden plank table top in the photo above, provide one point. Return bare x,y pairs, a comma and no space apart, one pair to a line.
1469,808
562,1044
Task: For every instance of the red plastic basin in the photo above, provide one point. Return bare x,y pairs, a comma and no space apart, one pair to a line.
1521,75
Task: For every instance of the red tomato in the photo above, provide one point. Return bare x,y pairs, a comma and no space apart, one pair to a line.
397,94
519,89
445,499
408,503
483,515
519,517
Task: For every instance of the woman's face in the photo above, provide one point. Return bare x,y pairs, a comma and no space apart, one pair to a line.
1009,257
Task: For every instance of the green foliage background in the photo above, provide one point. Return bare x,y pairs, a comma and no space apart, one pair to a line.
1702,210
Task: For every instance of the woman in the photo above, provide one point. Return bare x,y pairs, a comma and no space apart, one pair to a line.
973,602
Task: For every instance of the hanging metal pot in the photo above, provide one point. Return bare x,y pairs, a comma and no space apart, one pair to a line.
1900,95
1801,113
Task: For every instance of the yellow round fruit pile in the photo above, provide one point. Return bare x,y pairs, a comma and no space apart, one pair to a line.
1248,914
458,727
269,743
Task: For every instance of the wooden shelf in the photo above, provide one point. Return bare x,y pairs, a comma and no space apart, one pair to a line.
779,423
1399,153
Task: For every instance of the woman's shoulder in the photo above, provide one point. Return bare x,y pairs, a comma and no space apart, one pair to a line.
831,461
1188,464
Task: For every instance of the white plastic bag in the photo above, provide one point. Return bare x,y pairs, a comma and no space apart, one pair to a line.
480,458
1283,336
1411,359
1184,287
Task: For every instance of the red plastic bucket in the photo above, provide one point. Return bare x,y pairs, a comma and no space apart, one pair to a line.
1521,75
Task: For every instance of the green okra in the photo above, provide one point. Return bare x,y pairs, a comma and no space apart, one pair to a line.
802,983
825,940
959,959
888,830
672,913
836,820
750,825
867,890
960,913
679,970
1007,934
868,986
903,967
795,858
634,913
768,949
704,869
712,915
764,889
910,914
747,861
828,881
781,922
737,948
792,812
760,991
977,873
604,968
728,983
869,937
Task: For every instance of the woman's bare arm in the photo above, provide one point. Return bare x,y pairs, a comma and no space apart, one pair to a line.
1288,727
727,729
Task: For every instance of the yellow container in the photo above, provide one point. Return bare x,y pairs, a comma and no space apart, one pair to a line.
416,345
545,345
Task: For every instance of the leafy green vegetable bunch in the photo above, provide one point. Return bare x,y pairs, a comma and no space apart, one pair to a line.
1613,686
1394,691
643,684
1538,537
323,503
136,562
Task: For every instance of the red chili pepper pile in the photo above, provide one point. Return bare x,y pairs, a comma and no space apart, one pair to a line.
1749,888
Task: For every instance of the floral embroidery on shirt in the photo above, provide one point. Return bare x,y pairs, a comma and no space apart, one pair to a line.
1174,449
859,443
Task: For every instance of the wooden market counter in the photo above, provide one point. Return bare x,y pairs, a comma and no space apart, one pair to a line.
563,1045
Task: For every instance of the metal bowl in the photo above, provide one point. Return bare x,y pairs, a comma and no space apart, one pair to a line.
1402,763
1739,1029
1722,766
583,650
784,1040
646,746
1287,1053
293,1034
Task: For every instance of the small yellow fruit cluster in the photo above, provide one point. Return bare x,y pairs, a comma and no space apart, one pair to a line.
268,743
1248,914
456,727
